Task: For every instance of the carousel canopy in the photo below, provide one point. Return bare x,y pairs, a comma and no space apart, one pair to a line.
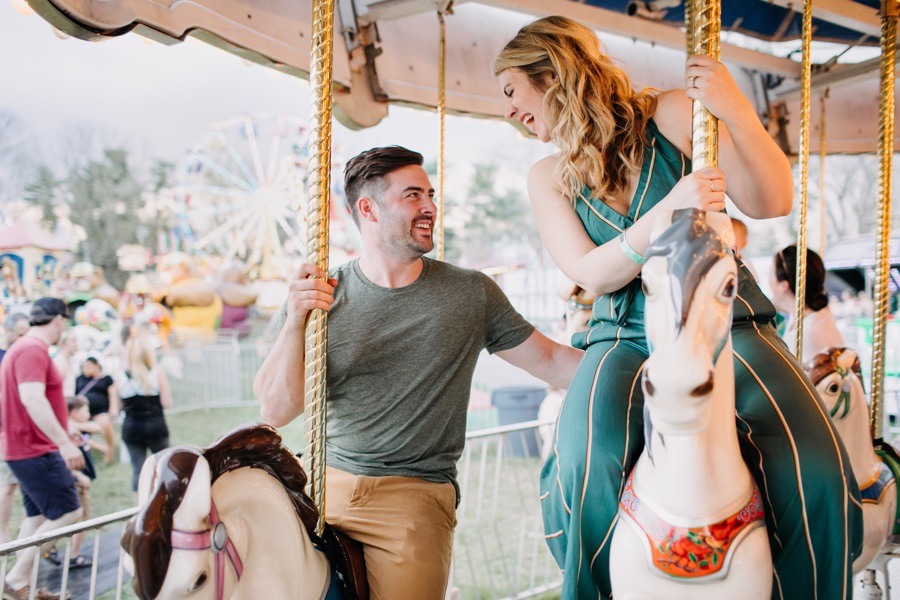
386,50
29,235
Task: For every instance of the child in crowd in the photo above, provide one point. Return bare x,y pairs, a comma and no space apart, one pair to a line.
81,428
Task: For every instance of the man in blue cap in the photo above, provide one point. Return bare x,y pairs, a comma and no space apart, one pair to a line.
34,438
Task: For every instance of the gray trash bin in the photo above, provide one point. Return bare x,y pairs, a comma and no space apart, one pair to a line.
517,404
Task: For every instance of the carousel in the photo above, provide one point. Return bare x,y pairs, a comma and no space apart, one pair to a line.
184,537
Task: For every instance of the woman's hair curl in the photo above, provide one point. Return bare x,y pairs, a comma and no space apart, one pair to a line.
595,117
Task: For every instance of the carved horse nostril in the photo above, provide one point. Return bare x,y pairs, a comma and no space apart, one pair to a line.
704,388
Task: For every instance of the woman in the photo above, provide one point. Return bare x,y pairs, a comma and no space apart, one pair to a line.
63,359
100,390
819,325
623,157
145,393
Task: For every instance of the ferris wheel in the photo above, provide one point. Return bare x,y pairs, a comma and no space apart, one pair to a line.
243,195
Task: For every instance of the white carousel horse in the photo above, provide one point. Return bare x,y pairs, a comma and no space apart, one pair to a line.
232,521
691,517
837,376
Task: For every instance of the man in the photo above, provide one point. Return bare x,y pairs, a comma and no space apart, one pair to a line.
35,440
404,335
16,326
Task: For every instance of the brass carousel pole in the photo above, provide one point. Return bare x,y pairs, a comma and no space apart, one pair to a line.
318,188
805,93
823,214
442,113
704,22
889,13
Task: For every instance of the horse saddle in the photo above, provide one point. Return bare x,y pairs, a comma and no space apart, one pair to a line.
348,561
690,552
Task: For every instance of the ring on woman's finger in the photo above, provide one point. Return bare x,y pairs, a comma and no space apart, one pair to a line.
712,186
693,81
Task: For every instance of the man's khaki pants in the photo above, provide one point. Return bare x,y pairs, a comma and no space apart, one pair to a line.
405,525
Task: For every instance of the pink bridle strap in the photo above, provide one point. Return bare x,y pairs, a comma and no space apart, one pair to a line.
214,538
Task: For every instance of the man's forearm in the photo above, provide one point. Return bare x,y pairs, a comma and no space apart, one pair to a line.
279,383
42,414
563,363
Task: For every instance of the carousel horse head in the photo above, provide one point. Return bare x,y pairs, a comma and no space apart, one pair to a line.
175,492
689,280
230,521
837,375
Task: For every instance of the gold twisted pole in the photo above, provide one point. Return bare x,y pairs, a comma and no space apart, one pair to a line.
318,188
703,31
823,216
889,13
805,94
442,113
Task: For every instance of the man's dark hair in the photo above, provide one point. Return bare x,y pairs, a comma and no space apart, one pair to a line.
364,174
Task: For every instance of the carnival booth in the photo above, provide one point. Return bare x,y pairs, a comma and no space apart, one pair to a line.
29,261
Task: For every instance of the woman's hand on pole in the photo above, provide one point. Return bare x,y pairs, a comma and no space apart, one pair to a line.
709,82
703,189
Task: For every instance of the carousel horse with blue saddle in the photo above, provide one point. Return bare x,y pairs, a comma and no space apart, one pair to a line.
837,375
232,521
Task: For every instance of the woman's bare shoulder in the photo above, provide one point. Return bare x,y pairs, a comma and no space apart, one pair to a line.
673,118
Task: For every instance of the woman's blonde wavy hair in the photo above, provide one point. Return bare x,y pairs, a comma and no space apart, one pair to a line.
597,120
140,360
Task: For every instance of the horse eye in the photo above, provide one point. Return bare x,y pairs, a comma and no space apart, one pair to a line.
645,288
833,388
201,579
728,289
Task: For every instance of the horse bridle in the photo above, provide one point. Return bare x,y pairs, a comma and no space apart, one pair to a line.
214,538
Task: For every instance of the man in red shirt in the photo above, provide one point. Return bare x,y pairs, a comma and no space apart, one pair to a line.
34,438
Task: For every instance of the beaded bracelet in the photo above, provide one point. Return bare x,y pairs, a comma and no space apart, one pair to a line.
630,252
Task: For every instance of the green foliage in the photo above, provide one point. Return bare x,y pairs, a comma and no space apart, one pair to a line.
105,196
43,192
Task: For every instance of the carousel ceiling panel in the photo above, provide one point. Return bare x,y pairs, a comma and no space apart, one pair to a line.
386,50
770,20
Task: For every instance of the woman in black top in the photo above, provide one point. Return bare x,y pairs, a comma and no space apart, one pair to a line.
103,399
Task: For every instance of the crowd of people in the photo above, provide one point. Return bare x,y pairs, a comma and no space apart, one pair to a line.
57,407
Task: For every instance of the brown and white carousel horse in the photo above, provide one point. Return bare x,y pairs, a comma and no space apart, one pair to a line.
837,375
691,516
233,521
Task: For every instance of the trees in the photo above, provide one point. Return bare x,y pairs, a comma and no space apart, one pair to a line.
105,197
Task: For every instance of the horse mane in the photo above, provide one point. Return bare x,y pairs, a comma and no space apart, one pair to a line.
825,363
691,247
148,534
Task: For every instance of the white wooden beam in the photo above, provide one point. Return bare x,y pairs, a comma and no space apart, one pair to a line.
852,15
644,30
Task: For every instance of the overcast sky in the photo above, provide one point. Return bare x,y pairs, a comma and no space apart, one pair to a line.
160,100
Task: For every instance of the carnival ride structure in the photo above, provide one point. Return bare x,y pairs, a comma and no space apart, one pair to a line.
242,196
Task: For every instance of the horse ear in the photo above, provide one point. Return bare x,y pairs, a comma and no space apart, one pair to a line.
663,221
194,509
721,223
147,479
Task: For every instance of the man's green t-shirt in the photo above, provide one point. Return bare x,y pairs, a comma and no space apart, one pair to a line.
400,365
